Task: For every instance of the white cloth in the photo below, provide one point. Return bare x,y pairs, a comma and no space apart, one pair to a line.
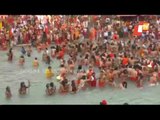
105,34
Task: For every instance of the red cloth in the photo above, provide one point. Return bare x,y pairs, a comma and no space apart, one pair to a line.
101,84
134,78
104,102
125,61
111,55
61,55
46,29
49,41
57,42
93,83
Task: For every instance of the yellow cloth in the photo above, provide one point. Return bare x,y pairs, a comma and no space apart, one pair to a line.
49,73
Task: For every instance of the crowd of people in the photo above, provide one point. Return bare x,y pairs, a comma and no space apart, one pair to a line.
103,42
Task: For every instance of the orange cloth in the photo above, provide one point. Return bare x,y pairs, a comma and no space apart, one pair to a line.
125,61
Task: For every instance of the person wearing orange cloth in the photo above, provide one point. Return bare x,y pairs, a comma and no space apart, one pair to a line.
125,61
92,34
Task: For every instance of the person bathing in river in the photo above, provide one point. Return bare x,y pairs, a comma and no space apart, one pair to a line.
48,59
23,88
35,63
21,60
8,93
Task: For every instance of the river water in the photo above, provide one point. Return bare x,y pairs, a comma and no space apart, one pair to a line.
11,74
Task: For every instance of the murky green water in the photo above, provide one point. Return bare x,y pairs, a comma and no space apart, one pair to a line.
11,74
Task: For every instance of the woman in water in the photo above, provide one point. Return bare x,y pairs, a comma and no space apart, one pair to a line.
35,63
23,88
21,60
8,93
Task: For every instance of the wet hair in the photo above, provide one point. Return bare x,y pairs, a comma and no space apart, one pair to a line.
35,58
63,83
47,85
125,104
51,84
79,67
22,84
116,68
83,77
73,83
49,67
61,65
8,88
156,69
130,66
52,47
22,56
124,84
125,71
10,50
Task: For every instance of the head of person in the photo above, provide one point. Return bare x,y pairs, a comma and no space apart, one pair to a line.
63,83
124,84
49,67
22,84
8,89
36,58
47,86
125,104
62,66
10,50
52,84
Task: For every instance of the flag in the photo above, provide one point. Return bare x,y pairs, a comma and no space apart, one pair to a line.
137,30
145,26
